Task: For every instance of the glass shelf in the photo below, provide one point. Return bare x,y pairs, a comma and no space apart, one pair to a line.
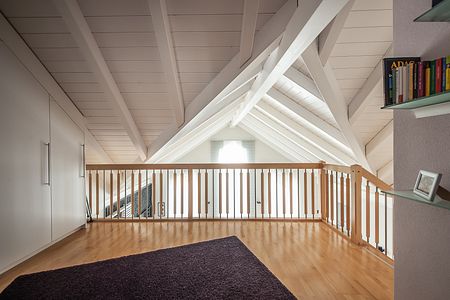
438,13
438,201
422,101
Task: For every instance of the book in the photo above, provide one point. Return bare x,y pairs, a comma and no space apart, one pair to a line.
405,83
410,81
415,80
394,86
420,80
447,74
399,74
444,76
389,64
432,77
427,78
438,75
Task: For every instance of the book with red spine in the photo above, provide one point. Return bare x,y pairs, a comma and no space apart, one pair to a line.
438,87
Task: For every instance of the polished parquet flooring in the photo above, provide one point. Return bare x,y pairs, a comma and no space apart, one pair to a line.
313,261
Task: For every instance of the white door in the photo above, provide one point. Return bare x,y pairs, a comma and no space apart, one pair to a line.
25,204
68,203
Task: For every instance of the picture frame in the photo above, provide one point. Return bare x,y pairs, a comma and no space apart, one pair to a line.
427,184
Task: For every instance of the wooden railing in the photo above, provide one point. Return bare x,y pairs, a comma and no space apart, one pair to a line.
347,198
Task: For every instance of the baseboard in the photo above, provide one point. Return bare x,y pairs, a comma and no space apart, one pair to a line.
18,262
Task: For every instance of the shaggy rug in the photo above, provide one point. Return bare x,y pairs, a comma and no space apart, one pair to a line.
217,269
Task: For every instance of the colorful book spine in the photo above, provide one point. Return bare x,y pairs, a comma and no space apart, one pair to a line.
410,81
415,82
444,76
432,77
394,86
399,73
389,90
405,78
427,78
447,74
438,75
420,80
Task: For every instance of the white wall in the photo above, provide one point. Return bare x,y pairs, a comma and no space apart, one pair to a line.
202,153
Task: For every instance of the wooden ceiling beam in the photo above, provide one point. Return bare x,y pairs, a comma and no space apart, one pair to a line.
161,27
249,18
308,20
81,33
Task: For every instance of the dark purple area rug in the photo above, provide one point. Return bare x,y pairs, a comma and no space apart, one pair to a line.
217,269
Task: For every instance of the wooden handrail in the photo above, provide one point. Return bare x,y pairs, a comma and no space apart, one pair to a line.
184,166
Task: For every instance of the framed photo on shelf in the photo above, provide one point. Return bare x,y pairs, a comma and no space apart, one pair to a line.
427,184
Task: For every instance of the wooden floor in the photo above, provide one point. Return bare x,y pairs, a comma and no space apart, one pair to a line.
313,261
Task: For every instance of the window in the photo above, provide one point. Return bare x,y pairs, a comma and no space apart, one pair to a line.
232,151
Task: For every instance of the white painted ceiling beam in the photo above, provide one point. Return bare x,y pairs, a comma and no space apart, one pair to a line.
15,43
305,134
291,151
295,156
328,38
78,27
360,101
303,81
331,93
296,137
309,19
161,28
309,117
377,143
386,173
249,18
230,79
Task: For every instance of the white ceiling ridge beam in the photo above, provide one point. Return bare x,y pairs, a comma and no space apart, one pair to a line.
309,19
332,94
296,138
249,18
359,102
305,134
295,157
303,81
165,142
197,136
78,27
328,38
275,96
279,138
15,43
161,28
231,77
387,132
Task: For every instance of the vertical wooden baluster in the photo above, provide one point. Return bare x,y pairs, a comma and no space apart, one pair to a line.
305,192
147,195
118,194
262,193
167,206
199,193
139,194
191,194
125,193
327,197
283,190
227,186
97,193
132,194
254,190
313,201
290,193
269,194
368,211
276,192
104,194
332,197
337,199
377,217
298,193
248,194
206,194
182,193
175,193
161,195
220,193
241,194
234,193
90,191
154,194
322,194
342,201
111,195
347,199
356,181
385,224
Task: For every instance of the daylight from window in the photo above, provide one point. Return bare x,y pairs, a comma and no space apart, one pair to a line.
232,152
